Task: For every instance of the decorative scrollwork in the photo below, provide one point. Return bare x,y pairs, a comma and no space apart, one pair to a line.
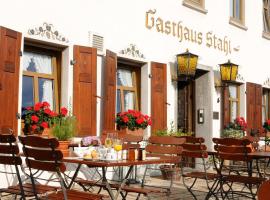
267,83
132,50
47,30
239,77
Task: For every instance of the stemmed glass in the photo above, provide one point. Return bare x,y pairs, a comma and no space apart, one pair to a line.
117,146
109,140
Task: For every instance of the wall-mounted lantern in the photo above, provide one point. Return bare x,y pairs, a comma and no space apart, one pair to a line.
186,66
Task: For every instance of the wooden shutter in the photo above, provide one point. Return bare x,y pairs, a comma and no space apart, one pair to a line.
109,100
158,96
254,106
10,45
84,91
226,107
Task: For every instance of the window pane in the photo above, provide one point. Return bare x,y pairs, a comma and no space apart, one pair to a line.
233,110
233,91
27,91
129,102
118,101
231,8
37,63
124,77
237,9
45,87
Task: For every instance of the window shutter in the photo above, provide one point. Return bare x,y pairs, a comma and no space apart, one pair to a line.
226,107
254,106
10,45
85,89
158,96
109,91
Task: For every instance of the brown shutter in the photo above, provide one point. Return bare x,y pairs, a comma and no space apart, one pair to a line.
84,91
10,45
226,107
159,96
254,106
109,91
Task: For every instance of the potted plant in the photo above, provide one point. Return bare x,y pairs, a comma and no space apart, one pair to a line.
64,129
37,118
132,122
235,129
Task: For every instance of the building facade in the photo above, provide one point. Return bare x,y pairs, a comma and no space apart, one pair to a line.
100,57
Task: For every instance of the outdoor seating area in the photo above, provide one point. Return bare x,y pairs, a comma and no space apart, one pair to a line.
230,171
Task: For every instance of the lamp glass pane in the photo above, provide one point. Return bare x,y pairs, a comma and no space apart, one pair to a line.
234,72
192,65
182,65
225,72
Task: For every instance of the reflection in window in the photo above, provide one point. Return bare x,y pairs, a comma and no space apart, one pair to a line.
237,10
129,102
234,101
27,91
118,101
45,89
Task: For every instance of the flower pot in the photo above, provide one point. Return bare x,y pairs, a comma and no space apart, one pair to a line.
169,173
64,147
123,132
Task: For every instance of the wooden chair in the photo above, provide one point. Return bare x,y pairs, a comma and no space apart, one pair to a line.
194,166
236,151
264,191
42,154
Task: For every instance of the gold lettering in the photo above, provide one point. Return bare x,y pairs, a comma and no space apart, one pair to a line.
159,25
180,31
152,12
193,36
220,44
168,27
209,41
225,45
174,32
215,43
186,34
200,37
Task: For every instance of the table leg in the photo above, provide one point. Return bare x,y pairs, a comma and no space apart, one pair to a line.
74,176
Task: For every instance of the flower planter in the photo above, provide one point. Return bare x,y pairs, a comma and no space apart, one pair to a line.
123,132
64,147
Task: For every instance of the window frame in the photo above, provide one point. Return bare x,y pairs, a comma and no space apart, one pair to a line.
232,100
136,86
198,5
266,111
266,33
55,76
240,23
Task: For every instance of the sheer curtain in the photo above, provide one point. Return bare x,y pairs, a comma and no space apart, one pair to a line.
37,63
124,77
46,91
129,100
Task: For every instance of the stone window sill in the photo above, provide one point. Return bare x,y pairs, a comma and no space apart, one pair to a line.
266,35
237,23
195,7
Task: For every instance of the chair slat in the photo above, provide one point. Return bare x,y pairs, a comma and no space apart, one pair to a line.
37,141
232,149
43,154
194,140
164,149
46,166
7,138
234,157
10,160
7,149
195,154
132,138
194,147
231,141
167,140
128,146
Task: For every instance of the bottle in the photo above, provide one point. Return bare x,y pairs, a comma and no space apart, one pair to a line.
131,154
141,154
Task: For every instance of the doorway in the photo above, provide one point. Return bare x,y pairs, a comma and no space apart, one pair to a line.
186,106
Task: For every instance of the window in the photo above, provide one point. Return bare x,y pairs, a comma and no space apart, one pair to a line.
40,80
237,13
198,5
234,101
127,88
266,19
265,105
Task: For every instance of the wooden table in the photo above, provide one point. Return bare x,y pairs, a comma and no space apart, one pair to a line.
121,163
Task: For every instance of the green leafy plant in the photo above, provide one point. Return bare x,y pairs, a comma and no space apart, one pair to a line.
232,133
64,128
235,129
172,131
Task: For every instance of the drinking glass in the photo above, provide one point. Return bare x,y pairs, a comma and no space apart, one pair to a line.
109,140
117,146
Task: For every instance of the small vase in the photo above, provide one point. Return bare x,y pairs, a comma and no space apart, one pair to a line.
64,147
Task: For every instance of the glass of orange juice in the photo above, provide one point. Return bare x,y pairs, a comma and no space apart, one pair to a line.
117,146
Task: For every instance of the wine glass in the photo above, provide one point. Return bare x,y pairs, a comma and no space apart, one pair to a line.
108,141
117,146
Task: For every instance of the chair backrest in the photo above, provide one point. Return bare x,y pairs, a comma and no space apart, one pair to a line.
42,154
131,141
194,140
264,191
9,154
232,149
165,145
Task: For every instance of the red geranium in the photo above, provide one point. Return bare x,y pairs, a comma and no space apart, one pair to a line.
44,125
266,125
34,127
64,111
47,111
35,118
132,119
46,104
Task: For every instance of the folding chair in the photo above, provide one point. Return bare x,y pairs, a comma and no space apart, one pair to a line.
240,167
194,166
42,154
264,191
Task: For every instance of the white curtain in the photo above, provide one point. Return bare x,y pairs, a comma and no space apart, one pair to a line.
129,100
124,77
37,63
46,93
